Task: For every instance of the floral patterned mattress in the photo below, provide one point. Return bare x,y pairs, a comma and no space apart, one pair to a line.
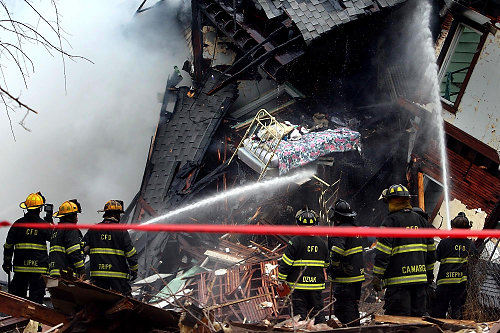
293,154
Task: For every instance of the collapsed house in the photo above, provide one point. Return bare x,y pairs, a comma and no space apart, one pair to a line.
272,87
262,72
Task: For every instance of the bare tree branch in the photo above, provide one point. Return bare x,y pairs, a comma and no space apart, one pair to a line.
15,99
16,34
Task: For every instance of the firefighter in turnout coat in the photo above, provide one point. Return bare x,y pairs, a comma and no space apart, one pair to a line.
65,254
403,265
302,268
454,255
346,266
29,249
113,258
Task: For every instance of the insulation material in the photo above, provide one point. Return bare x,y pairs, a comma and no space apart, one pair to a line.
476,216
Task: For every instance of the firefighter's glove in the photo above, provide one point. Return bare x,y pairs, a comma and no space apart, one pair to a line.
431,292
283,289
133,275
7,267
377,283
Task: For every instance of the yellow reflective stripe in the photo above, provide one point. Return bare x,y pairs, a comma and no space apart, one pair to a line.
383,248
131,253
30,246
430,267
452,260
24,269
354,250
134,267
406,279
287,260
409,248
305,286
73,248
79,264
317,263
104,250
431,247
119,275
378,270
350,279
451,280
337,249
57,248
55,271
8,246
282,276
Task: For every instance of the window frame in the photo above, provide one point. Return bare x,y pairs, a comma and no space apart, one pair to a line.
447,51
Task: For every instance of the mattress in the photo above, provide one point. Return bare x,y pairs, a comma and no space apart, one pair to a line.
294,154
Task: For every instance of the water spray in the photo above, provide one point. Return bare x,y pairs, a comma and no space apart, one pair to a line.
265,186
432,73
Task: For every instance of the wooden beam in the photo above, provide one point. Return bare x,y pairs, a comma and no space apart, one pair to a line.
19,307
197,41
421,196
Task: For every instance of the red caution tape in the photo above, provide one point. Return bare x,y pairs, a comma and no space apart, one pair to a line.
273,230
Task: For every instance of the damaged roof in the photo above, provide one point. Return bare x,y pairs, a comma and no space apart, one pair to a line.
316,17
185,130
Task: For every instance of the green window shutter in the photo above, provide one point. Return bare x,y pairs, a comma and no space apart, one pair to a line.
459,63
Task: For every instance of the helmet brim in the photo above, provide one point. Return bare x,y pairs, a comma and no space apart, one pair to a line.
121,211
23,206
353,214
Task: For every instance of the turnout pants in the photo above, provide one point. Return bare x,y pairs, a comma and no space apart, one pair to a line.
307,303
452,296
22,282
119,285
346,306
406,300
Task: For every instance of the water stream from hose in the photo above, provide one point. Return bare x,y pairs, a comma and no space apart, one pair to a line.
431,73
251,189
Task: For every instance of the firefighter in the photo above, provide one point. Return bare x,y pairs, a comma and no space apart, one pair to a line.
346,266
302,268
65,254
403,265
29,248
453,255
113,258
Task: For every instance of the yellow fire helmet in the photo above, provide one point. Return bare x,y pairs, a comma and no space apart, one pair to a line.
112,205
33,201
67,207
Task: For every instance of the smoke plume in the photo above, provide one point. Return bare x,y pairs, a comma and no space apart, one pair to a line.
92,141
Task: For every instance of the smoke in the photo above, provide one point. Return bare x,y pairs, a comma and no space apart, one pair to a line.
92,141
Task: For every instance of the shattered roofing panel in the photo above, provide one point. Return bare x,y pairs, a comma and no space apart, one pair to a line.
184,138
316,17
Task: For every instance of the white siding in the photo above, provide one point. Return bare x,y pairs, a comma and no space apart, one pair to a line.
479,110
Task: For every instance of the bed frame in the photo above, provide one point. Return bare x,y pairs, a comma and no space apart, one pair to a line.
265,149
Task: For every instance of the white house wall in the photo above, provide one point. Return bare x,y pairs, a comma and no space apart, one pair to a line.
479,110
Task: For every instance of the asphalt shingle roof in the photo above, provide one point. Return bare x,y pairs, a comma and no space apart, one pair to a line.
183,136
316,17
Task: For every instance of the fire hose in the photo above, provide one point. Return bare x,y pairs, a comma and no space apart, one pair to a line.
289,230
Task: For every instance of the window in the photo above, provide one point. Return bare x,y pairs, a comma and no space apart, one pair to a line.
458,63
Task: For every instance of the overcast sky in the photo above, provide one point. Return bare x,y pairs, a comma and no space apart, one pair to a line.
90,143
